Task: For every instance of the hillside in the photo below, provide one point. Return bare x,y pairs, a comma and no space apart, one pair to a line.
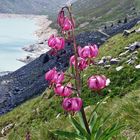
91,14
28,81
45,113
30,110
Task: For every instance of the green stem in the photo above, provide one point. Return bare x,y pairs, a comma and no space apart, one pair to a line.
85,120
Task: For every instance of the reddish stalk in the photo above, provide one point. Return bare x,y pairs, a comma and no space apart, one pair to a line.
77,78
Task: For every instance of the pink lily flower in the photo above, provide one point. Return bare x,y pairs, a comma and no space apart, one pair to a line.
56,43
82,63
90,51
58,78
50,74
63,91
61,18
72,104
68,25
98,82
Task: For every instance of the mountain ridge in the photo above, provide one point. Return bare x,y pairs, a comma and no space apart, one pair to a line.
30,6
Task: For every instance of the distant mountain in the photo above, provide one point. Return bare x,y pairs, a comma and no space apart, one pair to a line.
30,6
82,7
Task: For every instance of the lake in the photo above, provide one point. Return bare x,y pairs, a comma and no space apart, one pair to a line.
15,33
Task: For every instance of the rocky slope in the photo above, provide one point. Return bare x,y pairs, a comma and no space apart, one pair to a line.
29,81
120,55
91,14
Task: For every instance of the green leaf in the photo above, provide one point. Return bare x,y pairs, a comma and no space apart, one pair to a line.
69,135
81,120
100,129
98,134
107,131
112,133
105,120
72,70
93,121
98,104
96,128
81,131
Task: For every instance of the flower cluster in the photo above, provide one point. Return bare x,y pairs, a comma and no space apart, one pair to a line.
56,79
86,55
82,60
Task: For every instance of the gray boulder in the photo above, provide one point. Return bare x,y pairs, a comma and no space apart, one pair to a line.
134,46
123,53
114,61
6,129
137,67
119,68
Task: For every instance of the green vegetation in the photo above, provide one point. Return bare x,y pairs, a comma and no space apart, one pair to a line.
44,113
126,109
100,12
116,44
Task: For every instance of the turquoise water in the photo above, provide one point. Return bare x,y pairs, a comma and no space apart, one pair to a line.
15,33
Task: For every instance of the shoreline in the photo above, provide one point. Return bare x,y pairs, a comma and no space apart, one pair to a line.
4,15
42,34
40,47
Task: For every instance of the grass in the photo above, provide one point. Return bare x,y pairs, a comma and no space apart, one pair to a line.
126,110
40,114
32,116
116,44
98,13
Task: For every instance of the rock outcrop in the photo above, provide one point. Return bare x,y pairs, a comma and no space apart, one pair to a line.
120,28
